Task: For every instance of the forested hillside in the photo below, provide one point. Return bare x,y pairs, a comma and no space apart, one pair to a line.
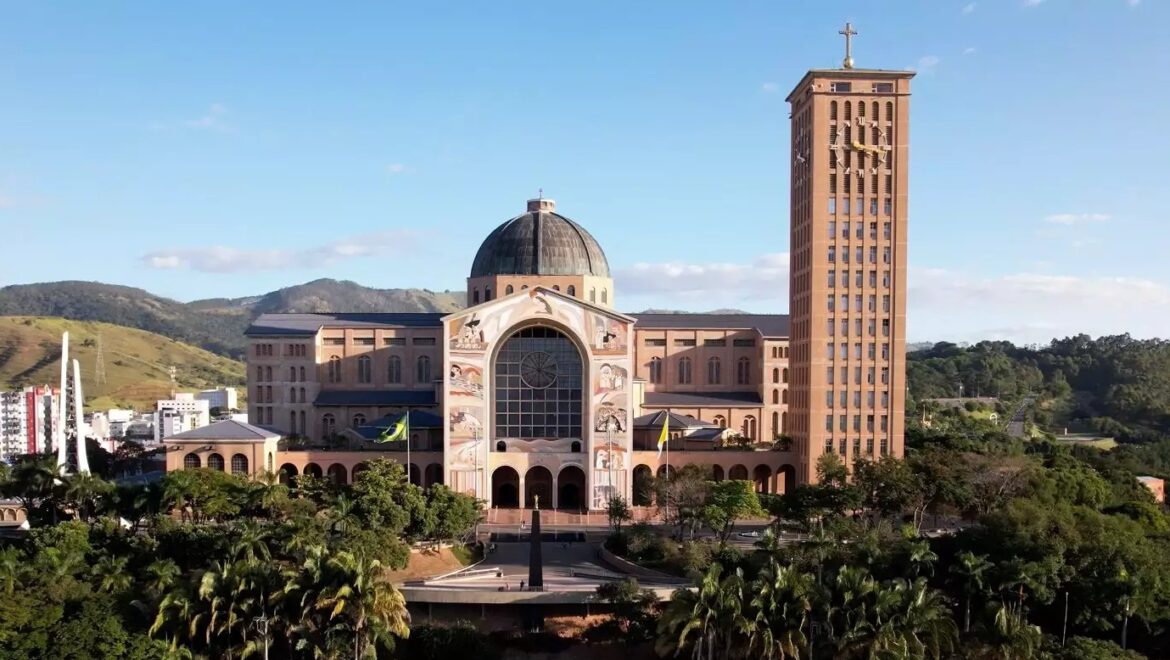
1116,385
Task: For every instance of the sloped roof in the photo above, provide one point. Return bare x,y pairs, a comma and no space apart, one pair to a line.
768,325
309,324
226,430
656,419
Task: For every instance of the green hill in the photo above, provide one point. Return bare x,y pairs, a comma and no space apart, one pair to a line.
215,324
136,361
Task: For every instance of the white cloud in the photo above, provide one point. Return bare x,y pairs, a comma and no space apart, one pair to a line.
1032,3
1134,3
1075,218
397,168
970,50
927,63
1023,307
769,88
765,277
213,119
223,259
969,7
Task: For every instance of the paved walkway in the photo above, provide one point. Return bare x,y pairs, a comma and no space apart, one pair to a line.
567,567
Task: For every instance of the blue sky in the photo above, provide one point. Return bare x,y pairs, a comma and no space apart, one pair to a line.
225,149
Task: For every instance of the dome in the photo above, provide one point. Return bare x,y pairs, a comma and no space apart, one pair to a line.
540,242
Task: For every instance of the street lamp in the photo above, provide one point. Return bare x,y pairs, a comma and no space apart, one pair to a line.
261,623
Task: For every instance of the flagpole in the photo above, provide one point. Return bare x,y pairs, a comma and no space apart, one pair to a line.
667,423
408,447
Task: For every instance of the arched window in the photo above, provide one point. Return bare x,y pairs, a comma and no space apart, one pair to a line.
749,427
775,397
784,422
292,374
359,420
394,370
786,375
328,424
523,287
775,375
302,378
720,421
604,296
889,111
302,397
572,290
538,377
365,371
861,109
215,462
593,295
268,374
743,371
475,297
655,370
833,110
239,464
424,369
487,293
292,395
575,447
875,114
775,423
334,369
191,461
304,429
509,290
848,111
556,287
684,371
260,373
784,396
713,371
292,422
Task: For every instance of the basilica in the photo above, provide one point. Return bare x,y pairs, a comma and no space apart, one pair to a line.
539,391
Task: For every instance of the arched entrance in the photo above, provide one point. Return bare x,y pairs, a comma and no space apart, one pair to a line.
338,473
288,474
313,470
434,474
737,473
788,478
505,488
762,476
538,482
643,494
571,488
415,475
358,469
717,472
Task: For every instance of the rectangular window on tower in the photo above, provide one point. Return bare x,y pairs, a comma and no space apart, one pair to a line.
832,228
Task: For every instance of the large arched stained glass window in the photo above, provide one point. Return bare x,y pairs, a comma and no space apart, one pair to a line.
538,386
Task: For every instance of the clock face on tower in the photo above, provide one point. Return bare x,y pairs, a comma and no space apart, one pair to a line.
879,145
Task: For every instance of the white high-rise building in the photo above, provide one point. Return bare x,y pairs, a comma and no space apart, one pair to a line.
185,412
224,398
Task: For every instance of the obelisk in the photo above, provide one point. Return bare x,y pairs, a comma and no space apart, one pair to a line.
535,559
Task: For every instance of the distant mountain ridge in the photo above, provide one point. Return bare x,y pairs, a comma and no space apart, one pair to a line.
215,324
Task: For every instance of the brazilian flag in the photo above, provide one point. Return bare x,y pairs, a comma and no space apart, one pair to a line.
398,431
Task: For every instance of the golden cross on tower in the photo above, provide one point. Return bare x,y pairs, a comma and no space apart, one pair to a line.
848,32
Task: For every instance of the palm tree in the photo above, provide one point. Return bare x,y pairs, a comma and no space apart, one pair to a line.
913,621
782,604
708,621
112,575
851,597
921,558
970,568
32,481
251,543
83,492
349,597
1011,637
11,562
